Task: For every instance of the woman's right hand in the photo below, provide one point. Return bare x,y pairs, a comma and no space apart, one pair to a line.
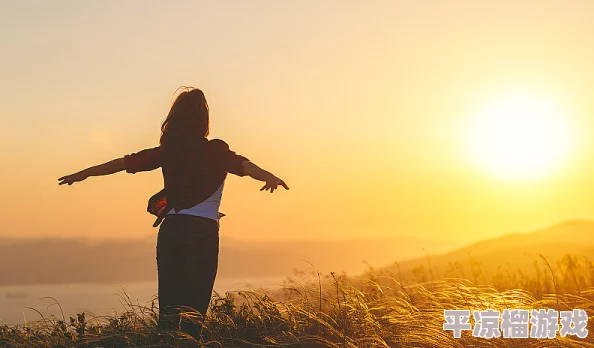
272,184
260,174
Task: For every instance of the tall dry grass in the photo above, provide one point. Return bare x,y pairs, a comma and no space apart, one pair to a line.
376,310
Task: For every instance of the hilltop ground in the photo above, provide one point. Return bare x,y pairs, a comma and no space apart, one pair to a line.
398,306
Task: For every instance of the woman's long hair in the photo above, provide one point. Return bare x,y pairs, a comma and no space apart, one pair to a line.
187,122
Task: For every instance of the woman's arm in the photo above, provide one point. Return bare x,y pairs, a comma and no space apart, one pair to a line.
260,174
107,168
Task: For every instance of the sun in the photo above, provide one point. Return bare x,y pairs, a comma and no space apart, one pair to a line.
520,138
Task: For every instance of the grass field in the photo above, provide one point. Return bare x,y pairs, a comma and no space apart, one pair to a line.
314,310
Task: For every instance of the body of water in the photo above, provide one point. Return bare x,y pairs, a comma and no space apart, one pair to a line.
95,299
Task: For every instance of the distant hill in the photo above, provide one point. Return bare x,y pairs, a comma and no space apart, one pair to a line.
517,252
55,260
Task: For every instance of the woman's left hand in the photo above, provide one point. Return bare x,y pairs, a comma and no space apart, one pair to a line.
72,178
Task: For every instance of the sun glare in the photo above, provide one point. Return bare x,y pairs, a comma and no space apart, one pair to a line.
520,138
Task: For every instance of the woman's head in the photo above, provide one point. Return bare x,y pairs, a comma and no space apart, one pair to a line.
187,122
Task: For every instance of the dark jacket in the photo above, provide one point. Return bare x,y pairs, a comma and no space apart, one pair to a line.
190,176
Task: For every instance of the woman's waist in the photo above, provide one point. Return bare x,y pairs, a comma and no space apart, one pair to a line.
180,232
181,218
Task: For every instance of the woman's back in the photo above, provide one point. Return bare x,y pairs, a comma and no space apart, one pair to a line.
191,174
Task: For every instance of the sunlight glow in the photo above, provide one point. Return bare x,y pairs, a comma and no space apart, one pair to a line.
520,138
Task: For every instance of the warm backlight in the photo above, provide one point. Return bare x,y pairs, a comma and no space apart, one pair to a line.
520,138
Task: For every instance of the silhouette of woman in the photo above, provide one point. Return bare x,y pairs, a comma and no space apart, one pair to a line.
194,171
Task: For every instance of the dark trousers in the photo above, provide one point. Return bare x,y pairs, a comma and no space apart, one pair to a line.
187,260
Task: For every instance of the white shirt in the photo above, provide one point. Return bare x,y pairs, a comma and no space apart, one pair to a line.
209,208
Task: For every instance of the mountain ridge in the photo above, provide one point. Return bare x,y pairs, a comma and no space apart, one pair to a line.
517,251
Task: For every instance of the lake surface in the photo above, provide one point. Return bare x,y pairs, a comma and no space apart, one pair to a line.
95,299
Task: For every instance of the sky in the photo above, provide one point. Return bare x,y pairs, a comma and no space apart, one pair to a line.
363,108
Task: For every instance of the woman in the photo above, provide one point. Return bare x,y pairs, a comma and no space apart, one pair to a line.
194,171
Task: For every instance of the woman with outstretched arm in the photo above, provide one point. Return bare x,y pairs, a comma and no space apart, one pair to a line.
194,171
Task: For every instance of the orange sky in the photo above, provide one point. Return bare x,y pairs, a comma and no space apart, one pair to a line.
361,108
